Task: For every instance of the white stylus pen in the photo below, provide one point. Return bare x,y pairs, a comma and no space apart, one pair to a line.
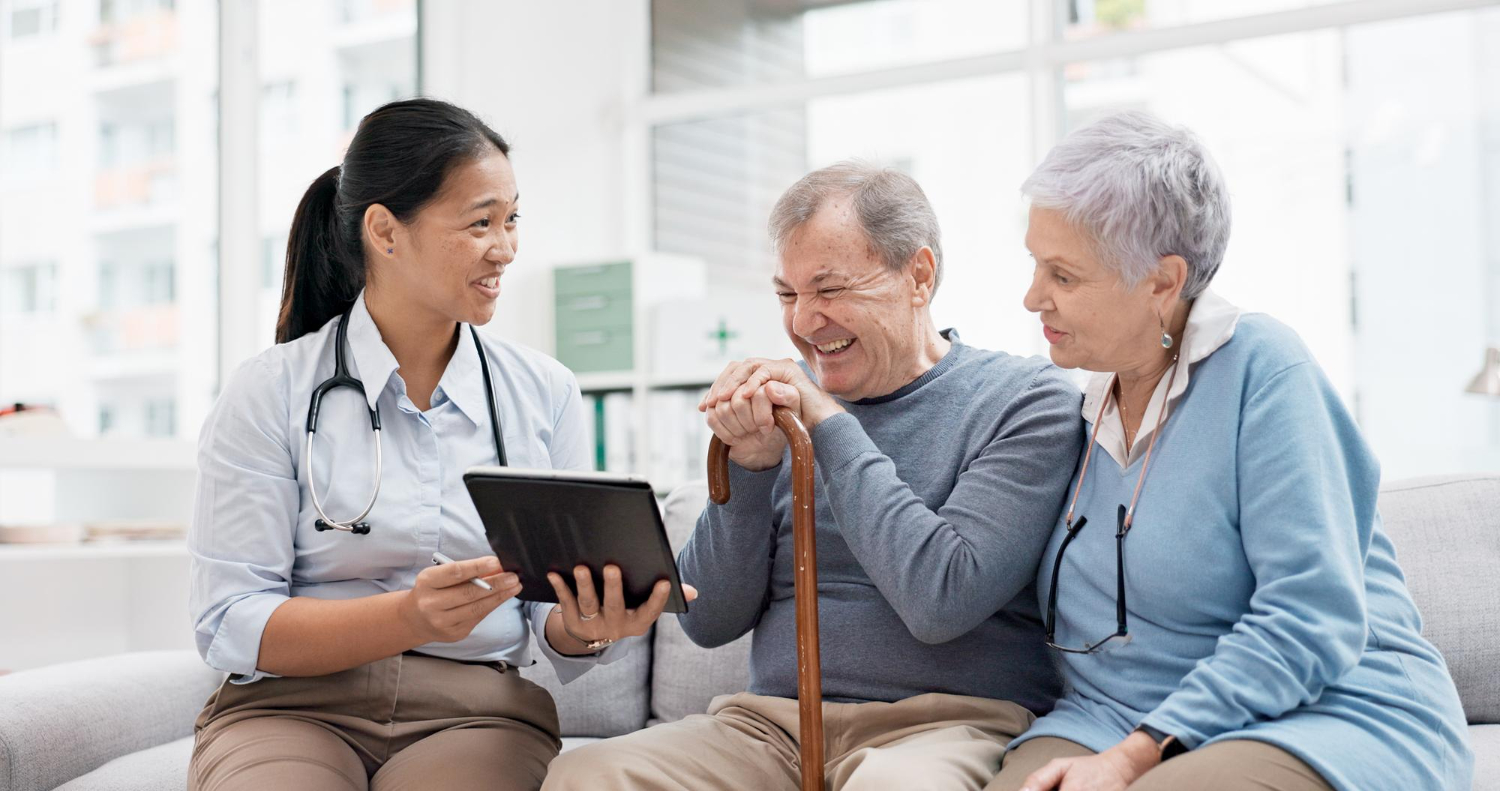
439,559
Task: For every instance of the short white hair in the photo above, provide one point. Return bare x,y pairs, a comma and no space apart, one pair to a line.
892,209
1140,189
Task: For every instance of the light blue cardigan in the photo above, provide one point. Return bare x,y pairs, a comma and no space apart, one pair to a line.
1265,601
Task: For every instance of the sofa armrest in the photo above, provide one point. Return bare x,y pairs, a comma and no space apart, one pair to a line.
62,721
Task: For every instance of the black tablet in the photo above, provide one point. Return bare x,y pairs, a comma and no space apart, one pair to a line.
552,520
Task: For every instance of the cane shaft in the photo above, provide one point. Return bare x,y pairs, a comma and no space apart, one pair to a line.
804,539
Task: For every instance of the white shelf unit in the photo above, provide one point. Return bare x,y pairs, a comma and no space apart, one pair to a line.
654,279
73,453
71,602
93,598
606,381
680,315
102,550
682,381
66,479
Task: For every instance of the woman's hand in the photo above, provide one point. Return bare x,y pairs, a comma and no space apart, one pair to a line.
443,607
1112,770
582,620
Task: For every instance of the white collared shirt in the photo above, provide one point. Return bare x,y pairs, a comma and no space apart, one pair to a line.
1211,323
252,540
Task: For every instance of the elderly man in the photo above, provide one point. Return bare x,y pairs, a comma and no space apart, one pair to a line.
941,468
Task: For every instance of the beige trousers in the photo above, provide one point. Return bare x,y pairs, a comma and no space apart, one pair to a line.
1234,765
407,722
750,742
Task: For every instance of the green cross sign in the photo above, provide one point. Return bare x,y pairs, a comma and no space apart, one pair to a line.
723,336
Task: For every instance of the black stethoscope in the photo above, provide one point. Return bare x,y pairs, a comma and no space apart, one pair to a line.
341,378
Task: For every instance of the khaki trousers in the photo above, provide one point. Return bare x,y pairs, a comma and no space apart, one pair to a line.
406,722
1233,765
750,742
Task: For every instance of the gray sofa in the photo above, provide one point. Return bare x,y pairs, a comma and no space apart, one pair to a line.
125,722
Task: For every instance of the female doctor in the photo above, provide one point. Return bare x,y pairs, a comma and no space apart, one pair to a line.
354,661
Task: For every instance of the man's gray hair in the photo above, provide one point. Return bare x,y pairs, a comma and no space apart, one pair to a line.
893,211
1140,189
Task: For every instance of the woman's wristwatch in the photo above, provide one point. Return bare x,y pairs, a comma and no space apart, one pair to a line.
593,645
1168,745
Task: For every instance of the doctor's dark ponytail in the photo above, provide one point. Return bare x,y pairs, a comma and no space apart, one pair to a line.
398,158
320,282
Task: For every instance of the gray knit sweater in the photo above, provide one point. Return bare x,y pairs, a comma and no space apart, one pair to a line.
934,504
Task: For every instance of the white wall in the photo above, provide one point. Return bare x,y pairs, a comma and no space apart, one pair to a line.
560,100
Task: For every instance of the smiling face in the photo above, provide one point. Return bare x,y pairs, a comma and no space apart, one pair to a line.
855,321
449,259
1090,318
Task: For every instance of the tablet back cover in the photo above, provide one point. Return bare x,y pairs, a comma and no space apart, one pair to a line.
537,525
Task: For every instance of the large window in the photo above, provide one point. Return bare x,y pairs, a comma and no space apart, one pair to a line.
1272,112
322,69
106,216
1359,142
1363,165
716,181
1096,18
110,277
700,45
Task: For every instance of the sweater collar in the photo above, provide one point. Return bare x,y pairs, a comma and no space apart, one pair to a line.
942,367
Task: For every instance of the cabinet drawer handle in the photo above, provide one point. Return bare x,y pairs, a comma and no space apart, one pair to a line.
596,302
594,338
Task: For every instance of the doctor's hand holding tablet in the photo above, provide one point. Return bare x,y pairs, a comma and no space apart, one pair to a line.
440,608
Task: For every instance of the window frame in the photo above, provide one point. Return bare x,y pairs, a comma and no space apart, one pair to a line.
1042,60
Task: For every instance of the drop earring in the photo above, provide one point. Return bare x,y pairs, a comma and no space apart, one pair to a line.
1166,340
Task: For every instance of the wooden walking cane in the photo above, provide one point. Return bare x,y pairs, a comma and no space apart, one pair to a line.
804,516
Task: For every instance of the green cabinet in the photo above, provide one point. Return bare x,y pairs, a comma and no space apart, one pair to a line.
592,279
593,311
593,317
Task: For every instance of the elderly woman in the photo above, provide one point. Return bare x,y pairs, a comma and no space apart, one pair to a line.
1268,641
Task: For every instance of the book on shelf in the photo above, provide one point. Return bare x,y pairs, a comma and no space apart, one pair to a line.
619,433
679,438
674,449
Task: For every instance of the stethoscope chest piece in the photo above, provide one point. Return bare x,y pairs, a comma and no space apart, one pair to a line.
359,528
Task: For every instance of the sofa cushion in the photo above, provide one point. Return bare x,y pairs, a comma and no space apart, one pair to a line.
63,721
1485,739
164,768
609,700
160,768
686,676
1447,536
574,742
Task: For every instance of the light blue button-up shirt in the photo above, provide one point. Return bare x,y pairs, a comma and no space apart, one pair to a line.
252,541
